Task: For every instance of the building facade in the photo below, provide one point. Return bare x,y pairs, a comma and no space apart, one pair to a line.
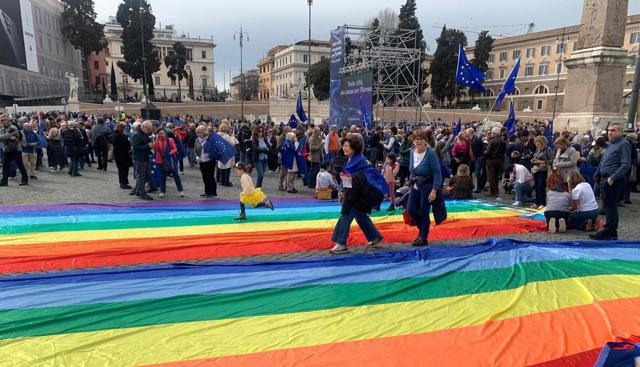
542,56
40,54
291,64
97,71
200,63
236,81
265,69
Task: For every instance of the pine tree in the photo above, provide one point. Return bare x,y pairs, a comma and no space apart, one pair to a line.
176,64
482,50
443,66
130,15
190,82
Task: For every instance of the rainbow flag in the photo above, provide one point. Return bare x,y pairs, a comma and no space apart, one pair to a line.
117,285
72,236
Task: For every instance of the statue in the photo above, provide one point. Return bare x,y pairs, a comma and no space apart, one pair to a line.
311,93
73,87
476,108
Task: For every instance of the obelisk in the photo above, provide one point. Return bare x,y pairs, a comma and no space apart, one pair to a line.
596,69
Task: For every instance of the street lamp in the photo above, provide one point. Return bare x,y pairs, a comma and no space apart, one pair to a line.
241,37
309,2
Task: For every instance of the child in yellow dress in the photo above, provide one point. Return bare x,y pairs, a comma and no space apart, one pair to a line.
249,195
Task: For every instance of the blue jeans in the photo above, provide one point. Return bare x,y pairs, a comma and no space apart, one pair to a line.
341,231
479,172
373,155
523,192
610,197
419,209
163,179
74,166
540,179
577,220
313,173
261,166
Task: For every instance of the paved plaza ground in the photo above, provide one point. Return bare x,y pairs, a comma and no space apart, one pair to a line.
102,187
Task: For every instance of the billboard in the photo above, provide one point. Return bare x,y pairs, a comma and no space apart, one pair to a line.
17,36
346,92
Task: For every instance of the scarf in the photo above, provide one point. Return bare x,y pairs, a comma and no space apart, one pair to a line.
358,163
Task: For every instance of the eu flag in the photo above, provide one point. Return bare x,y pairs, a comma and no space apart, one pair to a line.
366,116
548,133
510,123
509,84
293,121
300,109
176,121
458,128
219,149
468,74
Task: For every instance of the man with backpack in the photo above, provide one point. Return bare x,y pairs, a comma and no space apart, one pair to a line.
11,139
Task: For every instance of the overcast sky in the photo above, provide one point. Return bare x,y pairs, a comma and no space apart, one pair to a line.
270,23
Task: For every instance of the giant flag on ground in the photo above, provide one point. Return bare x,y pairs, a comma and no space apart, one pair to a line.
509,85
468,74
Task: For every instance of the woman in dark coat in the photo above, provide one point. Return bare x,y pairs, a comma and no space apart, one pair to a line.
122,155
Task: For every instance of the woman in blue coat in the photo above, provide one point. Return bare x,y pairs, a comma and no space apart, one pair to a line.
426,180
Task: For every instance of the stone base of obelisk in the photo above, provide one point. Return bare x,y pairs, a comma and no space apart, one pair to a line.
593,93
588,121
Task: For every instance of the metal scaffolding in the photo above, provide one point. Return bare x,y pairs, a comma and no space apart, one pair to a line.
393,57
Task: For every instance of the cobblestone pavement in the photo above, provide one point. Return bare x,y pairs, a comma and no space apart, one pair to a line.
102,187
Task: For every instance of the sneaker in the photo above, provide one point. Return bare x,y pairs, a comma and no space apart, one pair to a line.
52,170
126,187
181,194
517,203
552,226
498,198
269,205
294,191
562,225
33,178
161,195
241,216
204,195
339,249
375,242
23,184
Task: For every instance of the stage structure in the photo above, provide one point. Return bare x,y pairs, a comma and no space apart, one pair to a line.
391,59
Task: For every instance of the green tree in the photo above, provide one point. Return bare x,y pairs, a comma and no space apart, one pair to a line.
79,26
443,66
114,85
320,78
137,23
176,62
482,51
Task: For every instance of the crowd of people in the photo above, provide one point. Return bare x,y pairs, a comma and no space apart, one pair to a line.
563,174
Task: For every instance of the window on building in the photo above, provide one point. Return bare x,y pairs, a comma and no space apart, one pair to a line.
541,89
502,71
50,48
188,68
305,58
544,50
531,52
528,71
97,82
543,69
40,41
503,56
290,59
157,80
173,83
204,54
322,58
96,64
634,38
491,57
516,54
632,63
489,75
539,104
559,68
189,54
57,48
560,48
121,50
204,83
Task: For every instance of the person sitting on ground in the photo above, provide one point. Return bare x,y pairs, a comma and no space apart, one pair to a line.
522,183
558,204
461,185
326,187
584,207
